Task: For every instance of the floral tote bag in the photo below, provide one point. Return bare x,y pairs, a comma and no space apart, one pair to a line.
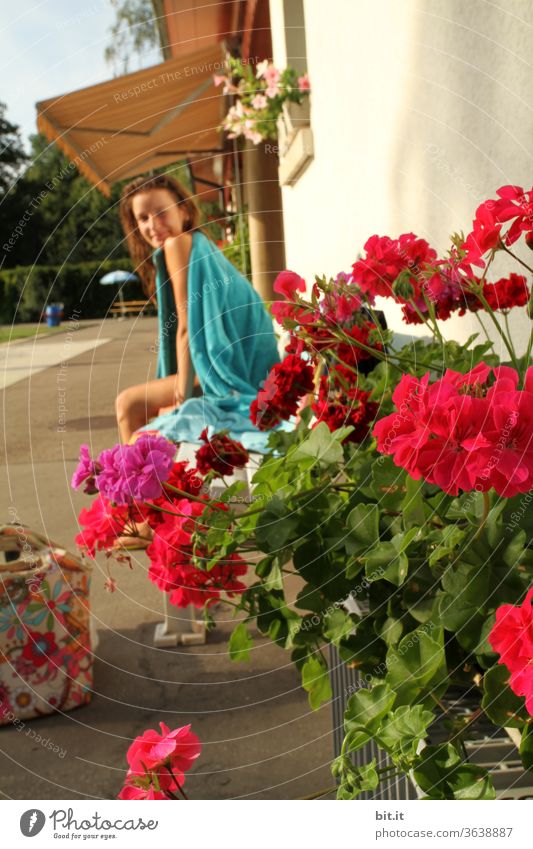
45,645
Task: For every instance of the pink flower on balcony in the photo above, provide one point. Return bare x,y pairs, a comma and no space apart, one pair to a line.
272,78
304,83
260,101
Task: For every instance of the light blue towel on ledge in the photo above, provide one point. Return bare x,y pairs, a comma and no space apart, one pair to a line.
232,344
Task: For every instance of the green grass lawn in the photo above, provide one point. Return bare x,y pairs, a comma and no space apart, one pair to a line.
8,333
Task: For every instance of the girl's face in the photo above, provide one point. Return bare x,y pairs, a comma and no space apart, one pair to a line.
158,215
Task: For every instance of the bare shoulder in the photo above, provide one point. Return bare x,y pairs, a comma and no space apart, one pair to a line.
177,250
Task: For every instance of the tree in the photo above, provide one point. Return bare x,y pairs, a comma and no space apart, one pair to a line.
12,155
60,216
133,32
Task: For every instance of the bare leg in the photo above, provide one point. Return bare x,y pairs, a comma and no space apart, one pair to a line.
136,405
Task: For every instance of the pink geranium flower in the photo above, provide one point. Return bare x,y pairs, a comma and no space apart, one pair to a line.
304,83
175,750
134,792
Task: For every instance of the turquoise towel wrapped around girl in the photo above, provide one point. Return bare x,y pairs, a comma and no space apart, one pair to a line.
229,338
232,345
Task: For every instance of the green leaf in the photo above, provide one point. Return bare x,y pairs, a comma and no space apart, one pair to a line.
401,731
274,579
494,526
315,680
276,525
355,780
391,630
412,507
451,538
462,605
321,445
526,747
388,483
388,560
514,551
337,625
441,774
363,526
417,666
240,643
365,708
499,702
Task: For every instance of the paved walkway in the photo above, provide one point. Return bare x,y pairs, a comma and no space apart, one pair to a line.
261,740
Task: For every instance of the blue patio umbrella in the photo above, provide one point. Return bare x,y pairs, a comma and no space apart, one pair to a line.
118,277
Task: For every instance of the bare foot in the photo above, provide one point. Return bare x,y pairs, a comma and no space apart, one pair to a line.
140,538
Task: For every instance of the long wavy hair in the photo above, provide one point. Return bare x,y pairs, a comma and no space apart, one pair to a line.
140,250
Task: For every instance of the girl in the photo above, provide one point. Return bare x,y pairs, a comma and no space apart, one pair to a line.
212,323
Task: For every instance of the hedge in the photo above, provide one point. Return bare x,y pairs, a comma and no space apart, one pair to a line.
26,290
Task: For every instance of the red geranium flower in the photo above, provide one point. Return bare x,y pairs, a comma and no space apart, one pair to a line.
462,434
287,283
512,638
507,293
280,394
387,258
202,587
220,454
339,408
103,524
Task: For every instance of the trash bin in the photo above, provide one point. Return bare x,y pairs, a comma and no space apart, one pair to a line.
54,314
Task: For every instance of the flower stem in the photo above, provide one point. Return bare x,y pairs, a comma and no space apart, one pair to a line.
191,497
503,335
180,789
514,256
486,508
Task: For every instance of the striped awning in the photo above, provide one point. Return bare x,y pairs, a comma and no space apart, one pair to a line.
144,120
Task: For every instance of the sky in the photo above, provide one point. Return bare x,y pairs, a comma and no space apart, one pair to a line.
51,47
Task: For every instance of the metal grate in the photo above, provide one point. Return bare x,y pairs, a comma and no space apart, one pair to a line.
487,745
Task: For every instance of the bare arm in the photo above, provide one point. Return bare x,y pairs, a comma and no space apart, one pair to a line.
177,252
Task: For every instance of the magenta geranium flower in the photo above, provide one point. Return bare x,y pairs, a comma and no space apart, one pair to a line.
136,472
86,472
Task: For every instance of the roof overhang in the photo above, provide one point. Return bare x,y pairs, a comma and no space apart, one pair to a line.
144,120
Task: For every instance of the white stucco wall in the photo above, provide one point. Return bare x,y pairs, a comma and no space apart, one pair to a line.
420,110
